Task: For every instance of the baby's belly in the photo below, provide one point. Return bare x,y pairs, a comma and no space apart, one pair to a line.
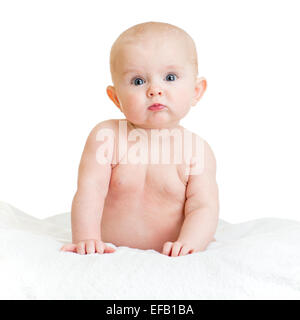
143,212
139,229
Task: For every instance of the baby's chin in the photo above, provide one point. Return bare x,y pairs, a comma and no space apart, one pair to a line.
157,121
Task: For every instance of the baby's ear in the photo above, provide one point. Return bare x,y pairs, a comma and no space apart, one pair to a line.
111,92
200,88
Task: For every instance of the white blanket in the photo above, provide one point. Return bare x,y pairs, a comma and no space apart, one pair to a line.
258,259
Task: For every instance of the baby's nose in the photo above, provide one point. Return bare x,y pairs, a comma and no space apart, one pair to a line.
154,91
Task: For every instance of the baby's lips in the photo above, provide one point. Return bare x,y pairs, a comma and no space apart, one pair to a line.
156,107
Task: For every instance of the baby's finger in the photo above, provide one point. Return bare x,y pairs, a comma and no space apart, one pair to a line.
176,248
70,247
184,250
81,247
90,246
167,248
109,249
100,246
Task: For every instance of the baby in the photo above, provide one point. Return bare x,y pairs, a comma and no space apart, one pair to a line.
145,181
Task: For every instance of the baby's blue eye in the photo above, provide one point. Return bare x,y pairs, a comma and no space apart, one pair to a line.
138,81
171,77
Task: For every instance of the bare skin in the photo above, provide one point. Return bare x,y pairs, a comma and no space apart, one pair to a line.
146,206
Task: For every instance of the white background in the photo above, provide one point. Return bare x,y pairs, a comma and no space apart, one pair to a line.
54,69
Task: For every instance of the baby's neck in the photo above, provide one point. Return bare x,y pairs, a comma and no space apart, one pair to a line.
148,129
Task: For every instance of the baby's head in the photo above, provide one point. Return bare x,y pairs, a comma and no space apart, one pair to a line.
155,63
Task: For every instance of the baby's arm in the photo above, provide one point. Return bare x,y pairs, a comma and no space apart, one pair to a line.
201,210
88,202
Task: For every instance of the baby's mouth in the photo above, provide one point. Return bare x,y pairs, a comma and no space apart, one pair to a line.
156,107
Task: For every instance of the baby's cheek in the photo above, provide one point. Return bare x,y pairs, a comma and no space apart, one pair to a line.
183,100
134,102
134,107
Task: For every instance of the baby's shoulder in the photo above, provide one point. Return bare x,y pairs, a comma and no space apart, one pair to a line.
111,124
190,136
99,133
203,146
106,128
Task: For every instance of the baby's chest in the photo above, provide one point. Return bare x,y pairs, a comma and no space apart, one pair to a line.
155,179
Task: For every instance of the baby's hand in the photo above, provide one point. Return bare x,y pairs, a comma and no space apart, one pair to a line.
87,247
176,249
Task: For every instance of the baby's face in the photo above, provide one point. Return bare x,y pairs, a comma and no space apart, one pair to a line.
155,71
